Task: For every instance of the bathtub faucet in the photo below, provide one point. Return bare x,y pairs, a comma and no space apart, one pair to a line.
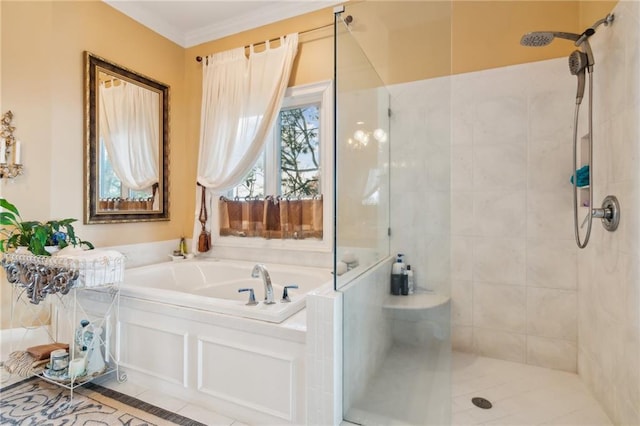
258,270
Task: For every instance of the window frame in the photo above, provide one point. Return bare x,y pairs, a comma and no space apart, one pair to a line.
314,93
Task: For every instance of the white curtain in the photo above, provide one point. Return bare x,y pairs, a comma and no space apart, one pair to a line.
241,98
129,127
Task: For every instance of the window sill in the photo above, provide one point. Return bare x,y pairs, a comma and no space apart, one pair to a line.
311,245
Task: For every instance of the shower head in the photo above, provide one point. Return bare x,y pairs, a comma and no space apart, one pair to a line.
543,38
578,63
536,39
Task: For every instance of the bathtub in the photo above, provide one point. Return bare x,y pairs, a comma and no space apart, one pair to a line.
212,285
183,329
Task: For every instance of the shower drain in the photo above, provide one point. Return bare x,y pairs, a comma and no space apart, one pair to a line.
482,403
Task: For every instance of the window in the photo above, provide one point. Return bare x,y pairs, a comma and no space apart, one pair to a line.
295,167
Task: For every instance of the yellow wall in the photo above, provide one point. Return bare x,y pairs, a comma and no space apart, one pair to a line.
592,11
408,41
42,83
486,34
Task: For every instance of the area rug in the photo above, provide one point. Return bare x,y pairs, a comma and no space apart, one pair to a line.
36,402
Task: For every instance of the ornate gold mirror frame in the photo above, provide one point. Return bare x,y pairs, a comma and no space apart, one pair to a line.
128,205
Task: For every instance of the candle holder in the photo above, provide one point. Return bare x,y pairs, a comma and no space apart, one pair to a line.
10,162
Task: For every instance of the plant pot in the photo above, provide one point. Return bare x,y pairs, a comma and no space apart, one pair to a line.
51,249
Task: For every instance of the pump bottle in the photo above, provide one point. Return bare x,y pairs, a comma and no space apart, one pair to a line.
397,275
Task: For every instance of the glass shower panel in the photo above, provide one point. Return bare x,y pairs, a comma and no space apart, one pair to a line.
393,80
362,160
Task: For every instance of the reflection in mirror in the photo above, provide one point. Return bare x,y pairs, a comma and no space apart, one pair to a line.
126,144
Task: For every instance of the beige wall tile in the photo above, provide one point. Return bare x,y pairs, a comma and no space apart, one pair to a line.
500,344
552,313
499,307
552,353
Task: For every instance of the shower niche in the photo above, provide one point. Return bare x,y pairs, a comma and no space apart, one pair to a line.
583,155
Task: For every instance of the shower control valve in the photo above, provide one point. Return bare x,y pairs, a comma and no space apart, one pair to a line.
609,213
252,297
285,293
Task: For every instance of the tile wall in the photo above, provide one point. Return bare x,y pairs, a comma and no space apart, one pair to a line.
324,357
420,179
367,332
609,270
514,262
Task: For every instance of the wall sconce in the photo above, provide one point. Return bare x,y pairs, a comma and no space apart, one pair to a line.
10,162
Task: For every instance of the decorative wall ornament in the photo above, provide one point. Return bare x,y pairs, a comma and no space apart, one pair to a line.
10,149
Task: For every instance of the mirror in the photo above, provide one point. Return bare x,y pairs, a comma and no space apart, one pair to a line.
126,144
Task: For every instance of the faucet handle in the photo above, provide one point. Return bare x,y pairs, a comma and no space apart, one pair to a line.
285,293
252,297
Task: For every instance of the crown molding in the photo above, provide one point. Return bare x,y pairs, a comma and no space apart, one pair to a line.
253,19
149,20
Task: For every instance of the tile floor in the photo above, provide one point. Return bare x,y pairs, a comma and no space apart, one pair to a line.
406,390
150,396
192,411
521,395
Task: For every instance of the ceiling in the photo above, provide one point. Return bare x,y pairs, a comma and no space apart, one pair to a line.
189,23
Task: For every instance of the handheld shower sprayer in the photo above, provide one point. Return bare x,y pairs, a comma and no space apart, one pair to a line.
580,62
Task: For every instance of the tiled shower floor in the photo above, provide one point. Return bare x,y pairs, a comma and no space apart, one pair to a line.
521,395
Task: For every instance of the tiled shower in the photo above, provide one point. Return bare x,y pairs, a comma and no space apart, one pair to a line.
520,289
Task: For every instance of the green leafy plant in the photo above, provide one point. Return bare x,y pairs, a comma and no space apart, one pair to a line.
33,234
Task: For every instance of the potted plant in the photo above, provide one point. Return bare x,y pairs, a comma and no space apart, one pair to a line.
38,237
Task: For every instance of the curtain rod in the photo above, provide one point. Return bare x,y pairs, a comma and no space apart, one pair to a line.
199,58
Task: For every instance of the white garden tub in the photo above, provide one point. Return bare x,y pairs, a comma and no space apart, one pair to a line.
212,285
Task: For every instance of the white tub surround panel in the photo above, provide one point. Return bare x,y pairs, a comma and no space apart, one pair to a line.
324,358
248,369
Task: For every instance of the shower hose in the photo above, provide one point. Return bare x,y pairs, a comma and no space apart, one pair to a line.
583,244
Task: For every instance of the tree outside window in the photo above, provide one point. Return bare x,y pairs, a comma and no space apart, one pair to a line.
297,172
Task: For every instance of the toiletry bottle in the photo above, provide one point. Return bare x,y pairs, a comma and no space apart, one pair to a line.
183,246
397,276
404,290
411,284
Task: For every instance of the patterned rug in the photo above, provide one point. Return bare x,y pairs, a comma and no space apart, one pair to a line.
37,402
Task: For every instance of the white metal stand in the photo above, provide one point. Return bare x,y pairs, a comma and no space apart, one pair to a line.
64,283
